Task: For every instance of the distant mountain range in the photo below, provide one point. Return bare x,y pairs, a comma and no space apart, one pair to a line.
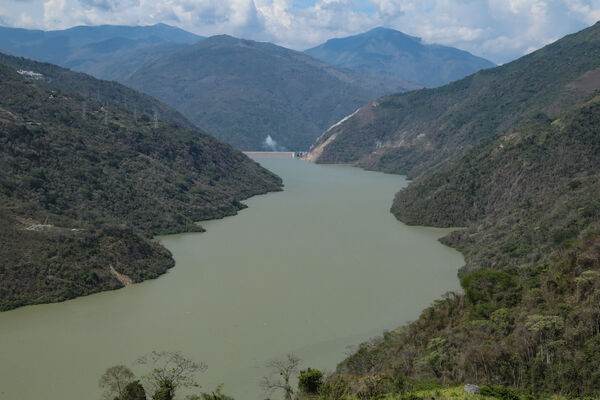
244,91
390,52
82,48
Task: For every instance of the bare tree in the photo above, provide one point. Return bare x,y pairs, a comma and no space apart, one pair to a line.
114,381
170,369
282,371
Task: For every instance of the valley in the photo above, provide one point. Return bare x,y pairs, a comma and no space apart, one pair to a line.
398,164
310,270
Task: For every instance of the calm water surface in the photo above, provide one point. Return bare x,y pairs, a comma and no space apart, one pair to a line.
311,270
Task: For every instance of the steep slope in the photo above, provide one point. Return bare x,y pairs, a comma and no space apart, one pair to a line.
521,195
118,66
93,183
531,333
529,318
99,90
413,132
243,91
389,52
82,47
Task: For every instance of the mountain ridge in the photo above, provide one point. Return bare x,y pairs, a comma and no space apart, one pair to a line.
102,91
244,91
391,52
417,131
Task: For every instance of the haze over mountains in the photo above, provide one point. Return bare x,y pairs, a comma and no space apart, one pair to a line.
243,91
82,48
390,52
232,87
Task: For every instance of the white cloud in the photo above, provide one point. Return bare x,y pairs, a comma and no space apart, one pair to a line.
497,29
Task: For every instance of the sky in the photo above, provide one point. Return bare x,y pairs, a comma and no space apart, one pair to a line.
499,30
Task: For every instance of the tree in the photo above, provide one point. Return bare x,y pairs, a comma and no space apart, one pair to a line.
216,395
133,391
282,371
170,371
114,381
310,381
165,391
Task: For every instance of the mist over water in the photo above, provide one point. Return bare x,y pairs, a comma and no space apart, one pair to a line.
311,270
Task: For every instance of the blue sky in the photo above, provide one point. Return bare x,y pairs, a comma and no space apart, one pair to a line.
500,30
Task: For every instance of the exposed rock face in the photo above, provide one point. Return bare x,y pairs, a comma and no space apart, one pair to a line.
472,389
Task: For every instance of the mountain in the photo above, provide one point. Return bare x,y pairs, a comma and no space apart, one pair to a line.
414,132
527,325
518,167
244,91
120,65
521,195
85,185
83,47
390,52
102,91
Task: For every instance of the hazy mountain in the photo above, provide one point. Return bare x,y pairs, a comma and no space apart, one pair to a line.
93,182
83,47
244,91
122,64
413,132
390,52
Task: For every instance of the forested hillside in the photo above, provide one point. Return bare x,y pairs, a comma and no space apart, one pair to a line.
104,92
528,323
522,195
520,170
414,132
243,91
83,186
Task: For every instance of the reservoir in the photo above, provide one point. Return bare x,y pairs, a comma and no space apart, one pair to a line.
311,270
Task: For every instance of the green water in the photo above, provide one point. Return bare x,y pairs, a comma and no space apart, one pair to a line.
311,270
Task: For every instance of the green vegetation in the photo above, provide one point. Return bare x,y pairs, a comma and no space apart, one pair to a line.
387,51
416,132
171,372
241,91
534,329
522,196
104,92
94,183
513,155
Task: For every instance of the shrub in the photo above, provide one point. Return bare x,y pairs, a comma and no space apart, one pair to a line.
310,381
